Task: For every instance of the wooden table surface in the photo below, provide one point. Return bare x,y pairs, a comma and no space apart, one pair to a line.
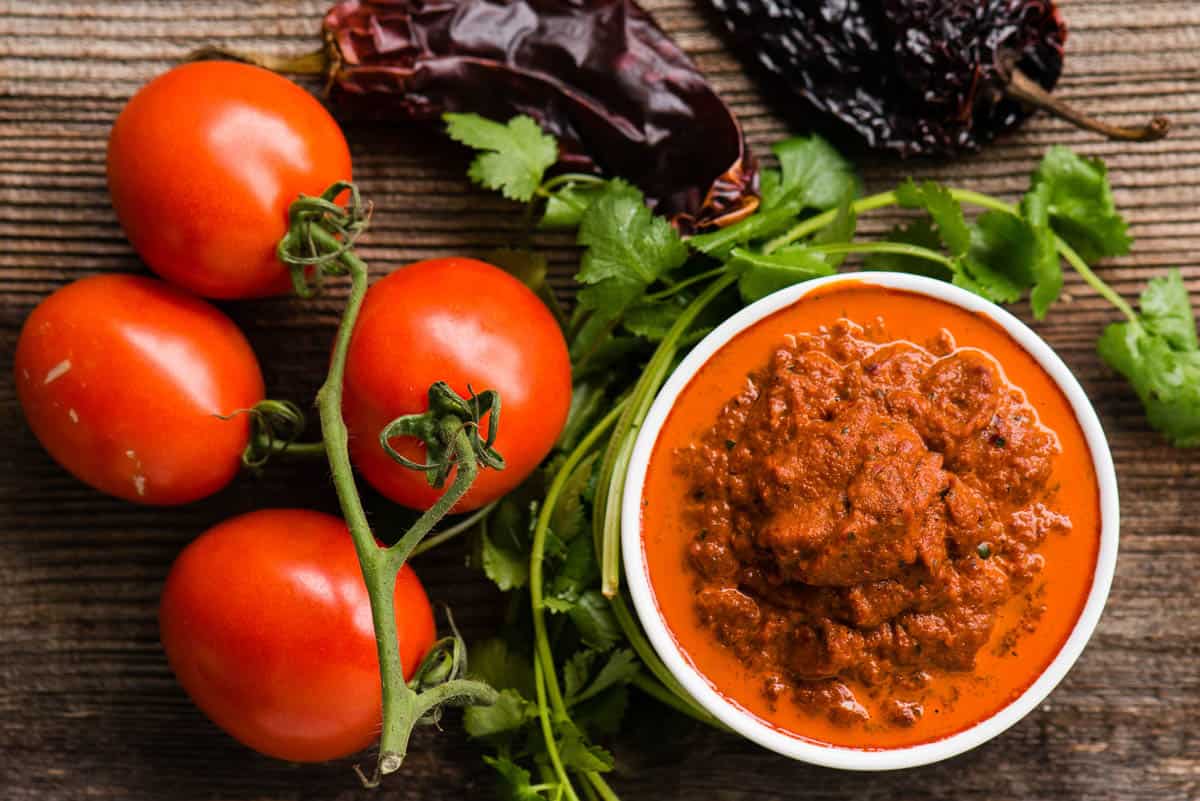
88,708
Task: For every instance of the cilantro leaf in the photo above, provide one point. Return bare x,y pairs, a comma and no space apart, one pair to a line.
944,210
1159,356
998,261
1166,311
760,225
920,233
840,231
601,715
652,320
566,206
578,570
812,174
509,713
594,619
513,157
620,668
514,783
1080,204
985,268
628,248
760,274
576,672
1044,263
568,519
507,569
577,753
527,266
504,543
493,662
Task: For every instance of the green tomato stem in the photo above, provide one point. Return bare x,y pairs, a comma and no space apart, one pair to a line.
399,701
296,450
402,706
457,529
464,476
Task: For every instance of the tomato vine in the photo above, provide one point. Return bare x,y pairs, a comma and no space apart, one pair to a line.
319,243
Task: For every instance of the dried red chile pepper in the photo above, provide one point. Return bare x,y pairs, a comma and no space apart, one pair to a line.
600,75
915,77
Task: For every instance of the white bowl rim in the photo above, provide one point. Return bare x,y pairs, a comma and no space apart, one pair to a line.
745,722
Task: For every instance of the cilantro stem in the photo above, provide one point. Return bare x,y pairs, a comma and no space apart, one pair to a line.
550,184
883,199
1064,249
539,682
672,692
663,294
597,781
606,520
1094,281
981,200
651,687
897,248
589,794
814,224
538,548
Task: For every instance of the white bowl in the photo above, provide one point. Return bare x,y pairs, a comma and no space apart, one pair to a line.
744,722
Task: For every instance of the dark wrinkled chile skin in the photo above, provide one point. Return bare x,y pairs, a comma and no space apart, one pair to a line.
600,75
914,77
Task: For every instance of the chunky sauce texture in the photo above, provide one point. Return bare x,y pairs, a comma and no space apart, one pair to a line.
868,534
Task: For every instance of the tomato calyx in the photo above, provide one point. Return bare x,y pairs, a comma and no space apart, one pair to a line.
320,243
320,238
275,428
439,427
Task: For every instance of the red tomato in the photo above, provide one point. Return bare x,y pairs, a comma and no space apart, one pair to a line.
203,163
266,622
463,322
122,378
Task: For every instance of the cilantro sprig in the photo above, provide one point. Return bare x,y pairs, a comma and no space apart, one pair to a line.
513,157
571,653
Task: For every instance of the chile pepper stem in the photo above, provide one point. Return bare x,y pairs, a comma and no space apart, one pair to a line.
314,63
1023,88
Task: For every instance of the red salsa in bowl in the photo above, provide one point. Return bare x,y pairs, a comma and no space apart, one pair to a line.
871,519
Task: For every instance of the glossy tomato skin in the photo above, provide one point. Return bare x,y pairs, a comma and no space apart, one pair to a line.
122,377
203,163
266,623
464,322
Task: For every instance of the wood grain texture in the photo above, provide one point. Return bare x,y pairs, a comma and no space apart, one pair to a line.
88,708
